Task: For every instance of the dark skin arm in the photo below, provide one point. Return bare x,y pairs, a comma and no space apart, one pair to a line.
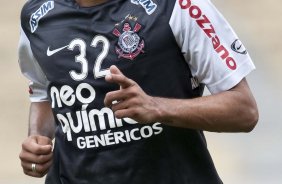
234,110
37,147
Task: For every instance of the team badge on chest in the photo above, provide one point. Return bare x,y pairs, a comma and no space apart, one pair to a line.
129,45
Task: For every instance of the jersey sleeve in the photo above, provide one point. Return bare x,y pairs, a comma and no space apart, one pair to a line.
32,71
211,48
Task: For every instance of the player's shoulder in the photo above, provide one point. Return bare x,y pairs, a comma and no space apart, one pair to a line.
152,4
31,6
169,5
34,10
158,7
42,6
161,3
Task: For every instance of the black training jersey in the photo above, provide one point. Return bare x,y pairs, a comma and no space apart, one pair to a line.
171,48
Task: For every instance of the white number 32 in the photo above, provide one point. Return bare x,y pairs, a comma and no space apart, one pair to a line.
81,58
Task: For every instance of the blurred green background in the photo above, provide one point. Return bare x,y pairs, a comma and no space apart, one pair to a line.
253,158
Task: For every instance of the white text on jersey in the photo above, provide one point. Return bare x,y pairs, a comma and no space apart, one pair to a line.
41,12
148,5
100,126
204,23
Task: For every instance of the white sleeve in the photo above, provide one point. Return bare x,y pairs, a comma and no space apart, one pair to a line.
31,69
213,51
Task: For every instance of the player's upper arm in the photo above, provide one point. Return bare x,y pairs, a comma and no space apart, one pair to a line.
210,47
31,70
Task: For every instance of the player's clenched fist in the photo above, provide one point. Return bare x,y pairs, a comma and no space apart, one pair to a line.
130,100
36,155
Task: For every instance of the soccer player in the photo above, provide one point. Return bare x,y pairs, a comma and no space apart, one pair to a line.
119,86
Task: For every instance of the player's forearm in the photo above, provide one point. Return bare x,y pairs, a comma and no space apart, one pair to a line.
231,111
41,120
234,110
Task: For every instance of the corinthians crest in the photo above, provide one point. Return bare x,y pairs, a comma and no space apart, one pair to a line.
130,45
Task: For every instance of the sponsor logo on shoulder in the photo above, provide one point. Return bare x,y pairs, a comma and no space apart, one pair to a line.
41,12
148,5
237,46
196,13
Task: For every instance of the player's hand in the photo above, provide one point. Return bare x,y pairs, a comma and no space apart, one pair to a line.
36,150
130,101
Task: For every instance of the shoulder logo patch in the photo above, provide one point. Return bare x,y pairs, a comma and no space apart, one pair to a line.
38,14
148,5
237,46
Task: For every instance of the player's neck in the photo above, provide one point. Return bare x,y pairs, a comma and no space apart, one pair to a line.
89,3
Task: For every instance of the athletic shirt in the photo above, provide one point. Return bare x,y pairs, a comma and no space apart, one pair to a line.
171,48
